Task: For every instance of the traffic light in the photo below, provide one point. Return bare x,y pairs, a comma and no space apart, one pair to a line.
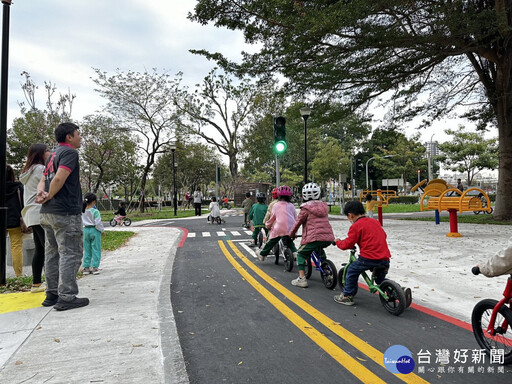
280,135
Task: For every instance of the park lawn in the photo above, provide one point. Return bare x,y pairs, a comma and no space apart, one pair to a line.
110,242
165,213
391,208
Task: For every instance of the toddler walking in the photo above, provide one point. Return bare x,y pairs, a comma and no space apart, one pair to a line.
93,229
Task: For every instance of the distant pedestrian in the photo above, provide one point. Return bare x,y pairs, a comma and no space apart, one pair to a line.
460,186
370,205
14,203
246,205
198,200
31,175
61,217
186,201
93,229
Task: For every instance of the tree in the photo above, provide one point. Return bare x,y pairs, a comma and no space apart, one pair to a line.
329,162
429,56
195,166
224,107
36,125
144,104
106,151
469,153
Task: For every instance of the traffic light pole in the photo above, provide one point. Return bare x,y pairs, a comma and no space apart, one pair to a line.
278,174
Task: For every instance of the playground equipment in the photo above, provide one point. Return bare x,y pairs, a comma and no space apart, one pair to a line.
382,197
442,196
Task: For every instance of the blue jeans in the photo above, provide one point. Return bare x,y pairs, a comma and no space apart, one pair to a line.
63,253
357,267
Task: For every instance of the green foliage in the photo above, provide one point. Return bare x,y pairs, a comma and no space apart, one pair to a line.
469,153
107,152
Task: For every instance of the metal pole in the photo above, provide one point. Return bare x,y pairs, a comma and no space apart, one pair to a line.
305,149
217,182
371,158
278,173
3,134
175,198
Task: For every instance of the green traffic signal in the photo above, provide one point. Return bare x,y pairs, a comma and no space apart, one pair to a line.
280,135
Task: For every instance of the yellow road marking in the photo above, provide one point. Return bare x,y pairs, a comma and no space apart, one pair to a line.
353,366
335,327
12,302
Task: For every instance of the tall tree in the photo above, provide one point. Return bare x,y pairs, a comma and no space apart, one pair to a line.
106,150
144,104
469,153
37,125
431,56
224,107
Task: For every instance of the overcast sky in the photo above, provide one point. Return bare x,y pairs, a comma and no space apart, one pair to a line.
62,40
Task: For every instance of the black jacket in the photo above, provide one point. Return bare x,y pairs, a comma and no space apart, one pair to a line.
14,205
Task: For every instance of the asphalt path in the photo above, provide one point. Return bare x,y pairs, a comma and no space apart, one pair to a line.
240,320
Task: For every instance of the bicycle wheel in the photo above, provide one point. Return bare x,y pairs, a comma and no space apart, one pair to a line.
127,221
340,276
308,270
259,240
329,277
503,337
396,302
218,220
113,222
288,259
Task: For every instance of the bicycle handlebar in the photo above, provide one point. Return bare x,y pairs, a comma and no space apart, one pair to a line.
475,270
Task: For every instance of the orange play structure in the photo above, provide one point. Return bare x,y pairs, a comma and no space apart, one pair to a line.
382,195
442,196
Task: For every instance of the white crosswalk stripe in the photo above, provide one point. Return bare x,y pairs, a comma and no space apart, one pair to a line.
218,233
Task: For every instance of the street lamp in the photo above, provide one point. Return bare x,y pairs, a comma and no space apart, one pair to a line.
371,158
305,112
174,199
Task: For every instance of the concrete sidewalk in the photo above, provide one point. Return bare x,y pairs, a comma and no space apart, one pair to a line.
126,334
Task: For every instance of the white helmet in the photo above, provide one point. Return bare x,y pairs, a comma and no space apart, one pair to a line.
310,191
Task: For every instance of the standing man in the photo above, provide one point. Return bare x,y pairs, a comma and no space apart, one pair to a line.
60,194
198,199
460,187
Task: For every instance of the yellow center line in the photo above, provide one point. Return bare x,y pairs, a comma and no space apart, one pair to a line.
334,326
352,365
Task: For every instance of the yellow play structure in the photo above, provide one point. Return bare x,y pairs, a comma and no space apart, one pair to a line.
442,196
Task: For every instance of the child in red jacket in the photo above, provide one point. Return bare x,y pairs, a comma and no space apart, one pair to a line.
316,230
373,248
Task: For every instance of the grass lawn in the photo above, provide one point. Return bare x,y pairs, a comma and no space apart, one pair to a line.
154,213
111,241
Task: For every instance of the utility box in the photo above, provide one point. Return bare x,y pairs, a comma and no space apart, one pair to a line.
28,250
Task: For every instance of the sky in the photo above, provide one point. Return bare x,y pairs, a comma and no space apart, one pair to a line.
63,40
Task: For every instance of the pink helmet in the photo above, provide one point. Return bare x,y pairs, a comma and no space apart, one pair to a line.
274,193
284,190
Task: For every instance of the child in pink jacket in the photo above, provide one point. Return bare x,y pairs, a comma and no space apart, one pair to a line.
316,230
281,221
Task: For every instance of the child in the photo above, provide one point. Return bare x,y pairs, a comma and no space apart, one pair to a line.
370,205
246,205
316,230
214,210
257,214
281,221
93,229
121,211
371,238
271,205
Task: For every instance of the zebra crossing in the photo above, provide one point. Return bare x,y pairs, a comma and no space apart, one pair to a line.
222,233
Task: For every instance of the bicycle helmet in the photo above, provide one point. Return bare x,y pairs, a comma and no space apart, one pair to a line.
310,191
260,197
274,193
284,190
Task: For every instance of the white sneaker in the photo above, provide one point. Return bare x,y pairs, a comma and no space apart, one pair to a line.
259,256
86,271
300,282
39,288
